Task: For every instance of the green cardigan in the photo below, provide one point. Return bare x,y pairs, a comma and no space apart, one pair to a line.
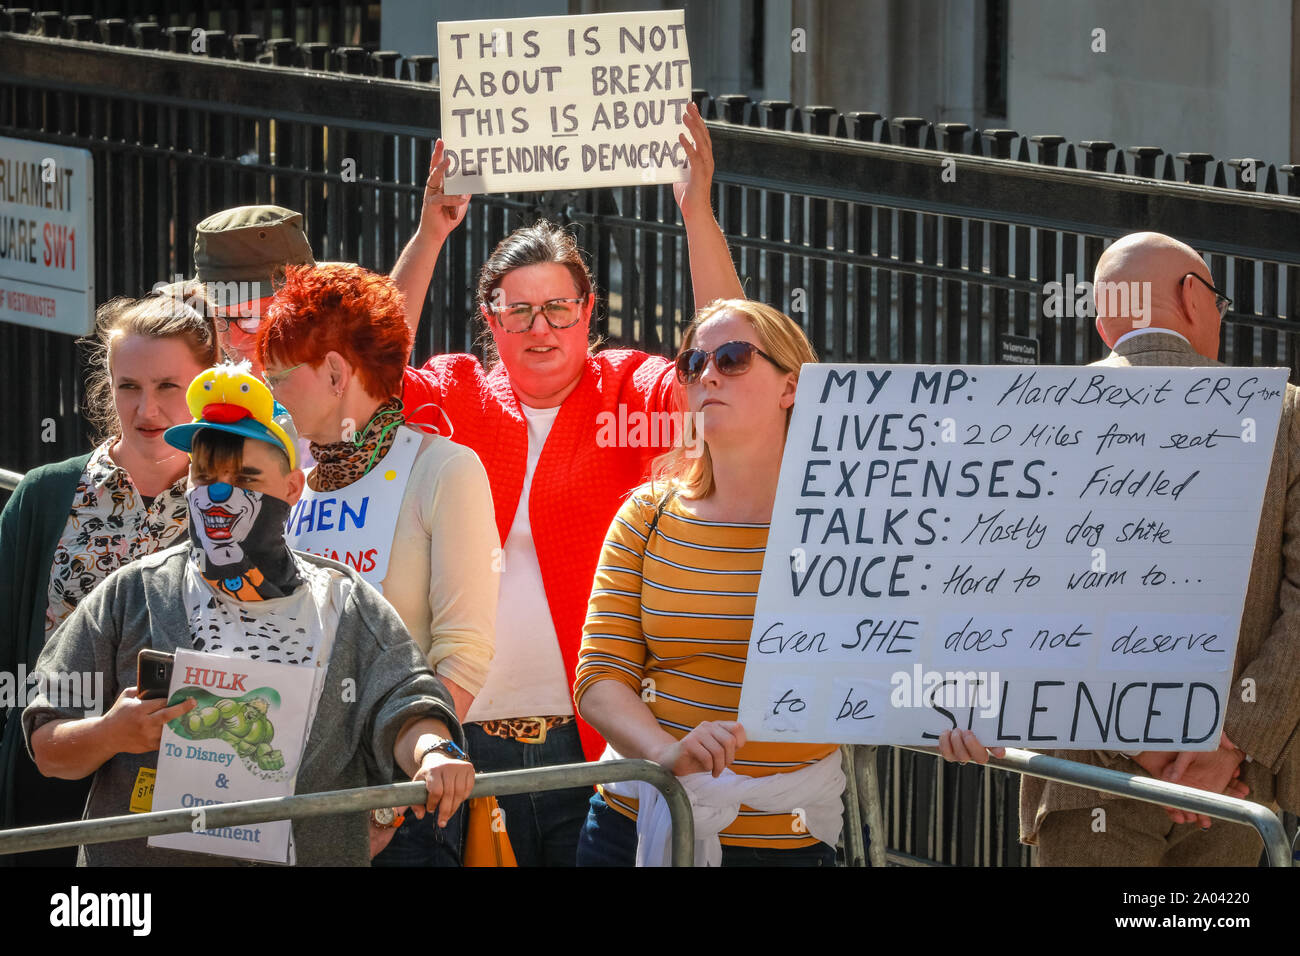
30,528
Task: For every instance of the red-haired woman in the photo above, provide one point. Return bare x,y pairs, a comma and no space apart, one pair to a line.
564,433
411,512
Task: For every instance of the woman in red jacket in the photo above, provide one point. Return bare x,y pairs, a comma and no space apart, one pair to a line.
564,434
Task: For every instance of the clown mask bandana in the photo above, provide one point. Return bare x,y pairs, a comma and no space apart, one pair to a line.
237,542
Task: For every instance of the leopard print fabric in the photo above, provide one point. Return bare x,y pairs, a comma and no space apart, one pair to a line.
515,728
340,463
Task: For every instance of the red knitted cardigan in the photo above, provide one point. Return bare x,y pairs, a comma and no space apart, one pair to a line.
578,485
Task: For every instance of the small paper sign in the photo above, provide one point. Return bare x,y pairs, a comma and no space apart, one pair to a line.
242,741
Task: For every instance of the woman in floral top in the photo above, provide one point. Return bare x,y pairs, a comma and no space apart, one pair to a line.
71,524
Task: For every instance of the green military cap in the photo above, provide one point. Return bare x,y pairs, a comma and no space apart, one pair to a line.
249,245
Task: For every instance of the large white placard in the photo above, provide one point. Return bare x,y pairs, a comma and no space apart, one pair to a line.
564,102
1053,557
47,275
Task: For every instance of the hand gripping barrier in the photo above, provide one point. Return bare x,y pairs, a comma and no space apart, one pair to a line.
1142,788
135,825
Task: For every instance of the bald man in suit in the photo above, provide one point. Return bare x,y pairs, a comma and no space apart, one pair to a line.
1177,323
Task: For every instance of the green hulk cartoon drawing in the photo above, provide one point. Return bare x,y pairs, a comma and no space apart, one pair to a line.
244,725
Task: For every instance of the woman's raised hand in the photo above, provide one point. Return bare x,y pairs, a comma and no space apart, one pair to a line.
693,194
709,748
440,213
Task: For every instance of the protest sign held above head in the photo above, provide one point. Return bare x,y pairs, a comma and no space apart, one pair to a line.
1052,557
564,102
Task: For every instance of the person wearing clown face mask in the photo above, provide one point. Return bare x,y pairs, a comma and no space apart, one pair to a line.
238,504
237,589
238,534
228,515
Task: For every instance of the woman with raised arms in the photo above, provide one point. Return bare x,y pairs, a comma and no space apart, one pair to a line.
534,417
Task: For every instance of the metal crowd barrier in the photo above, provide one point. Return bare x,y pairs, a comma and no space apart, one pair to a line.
1137,787
135,825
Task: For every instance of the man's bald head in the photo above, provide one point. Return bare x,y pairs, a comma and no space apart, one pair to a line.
1154,268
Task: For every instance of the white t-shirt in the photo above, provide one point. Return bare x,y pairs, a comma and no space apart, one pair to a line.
296,629
527,677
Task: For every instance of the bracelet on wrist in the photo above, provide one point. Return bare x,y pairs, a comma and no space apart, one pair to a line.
447,748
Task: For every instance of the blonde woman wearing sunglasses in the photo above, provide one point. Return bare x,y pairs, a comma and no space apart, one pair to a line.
663,651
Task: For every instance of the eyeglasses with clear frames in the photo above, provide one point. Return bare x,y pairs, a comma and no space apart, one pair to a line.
248,324
558,313
274,379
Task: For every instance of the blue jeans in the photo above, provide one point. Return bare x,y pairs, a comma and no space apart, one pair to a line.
609,839
424,843
543,826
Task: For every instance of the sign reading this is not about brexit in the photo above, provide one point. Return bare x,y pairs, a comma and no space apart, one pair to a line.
573,102
1054,557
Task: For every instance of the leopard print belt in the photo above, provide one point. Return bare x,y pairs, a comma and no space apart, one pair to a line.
526,730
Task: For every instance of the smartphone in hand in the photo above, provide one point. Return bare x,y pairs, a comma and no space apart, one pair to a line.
153,674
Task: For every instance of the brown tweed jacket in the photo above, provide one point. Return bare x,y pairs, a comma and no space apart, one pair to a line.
1268,648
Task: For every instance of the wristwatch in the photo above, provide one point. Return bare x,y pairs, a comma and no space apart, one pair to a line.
386,818
447,747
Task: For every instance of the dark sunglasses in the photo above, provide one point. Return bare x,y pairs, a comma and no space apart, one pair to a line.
733,358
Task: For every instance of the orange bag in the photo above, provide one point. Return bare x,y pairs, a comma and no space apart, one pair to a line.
486,841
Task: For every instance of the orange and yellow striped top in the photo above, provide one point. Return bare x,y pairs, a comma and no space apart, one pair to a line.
677,610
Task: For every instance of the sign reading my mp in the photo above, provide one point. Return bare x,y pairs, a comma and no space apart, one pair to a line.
47,276
1052,557
564,102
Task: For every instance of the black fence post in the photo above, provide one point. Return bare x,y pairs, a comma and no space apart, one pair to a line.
1000,239
909,134
81,27
247,47
732,106
775,115
953,136
1194,166
282,51
862,126
1096,150
1243,279
49,23
819,124
1144,159
1049,146
314,55
112,31
419,69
